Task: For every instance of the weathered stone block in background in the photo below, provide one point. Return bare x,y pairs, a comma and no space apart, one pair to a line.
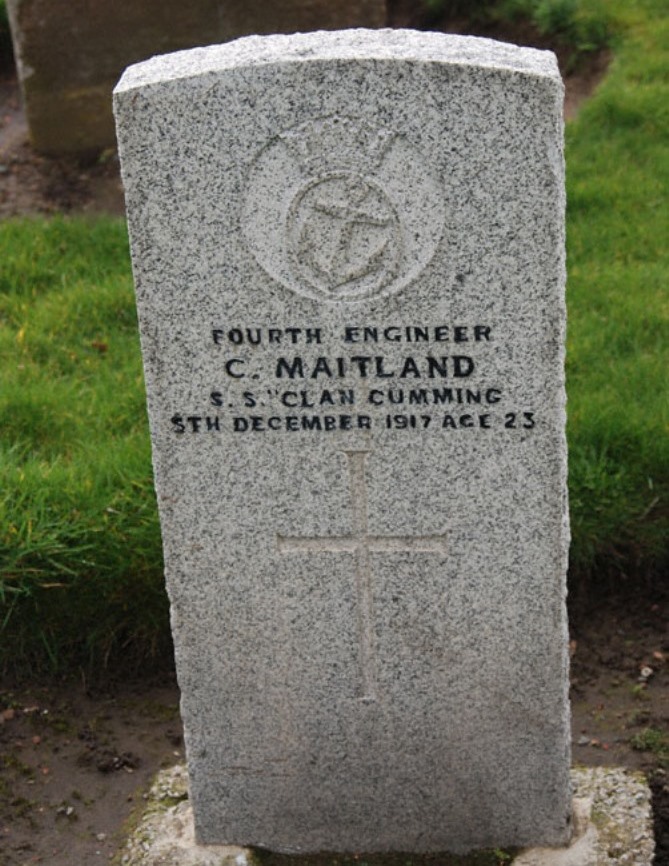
349,258
70,53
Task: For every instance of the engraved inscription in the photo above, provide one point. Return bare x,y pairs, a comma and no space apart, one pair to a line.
298,377
360,543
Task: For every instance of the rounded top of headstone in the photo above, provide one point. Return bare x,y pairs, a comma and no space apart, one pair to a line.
357,44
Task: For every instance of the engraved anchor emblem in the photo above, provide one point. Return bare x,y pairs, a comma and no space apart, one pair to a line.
334,209
344,229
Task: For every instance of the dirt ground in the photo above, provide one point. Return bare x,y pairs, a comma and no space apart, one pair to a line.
74,764
75,760
32,184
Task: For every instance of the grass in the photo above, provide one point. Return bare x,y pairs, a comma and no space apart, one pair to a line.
655,741
79,538
80,560
618,348
580,26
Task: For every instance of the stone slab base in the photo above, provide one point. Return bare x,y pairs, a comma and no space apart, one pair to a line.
612,825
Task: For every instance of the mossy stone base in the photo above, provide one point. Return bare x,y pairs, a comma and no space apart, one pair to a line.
612,825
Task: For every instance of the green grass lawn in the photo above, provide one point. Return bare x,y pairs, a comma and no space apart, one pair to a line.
80,544
80,559
618,264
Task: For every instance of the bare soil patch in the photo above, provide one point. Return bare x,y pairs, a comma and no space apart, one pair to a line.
31,184
75,761
620,689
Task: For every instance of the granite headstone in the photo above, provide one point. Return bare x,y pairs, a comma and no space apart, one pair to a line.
348,251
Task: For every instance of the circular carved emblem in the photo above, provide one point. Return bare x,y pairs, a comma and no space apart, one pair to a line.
338,210
344,236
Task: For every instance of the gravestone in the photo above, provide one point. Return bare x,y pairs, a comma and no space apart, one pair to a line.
70,53
349,265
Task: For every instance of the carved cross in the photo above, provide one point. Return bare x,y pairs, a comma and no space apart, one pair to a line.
361,543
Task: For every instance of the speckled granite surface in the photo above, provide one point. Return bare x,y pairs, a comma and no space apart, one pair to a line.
349,258
612,826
